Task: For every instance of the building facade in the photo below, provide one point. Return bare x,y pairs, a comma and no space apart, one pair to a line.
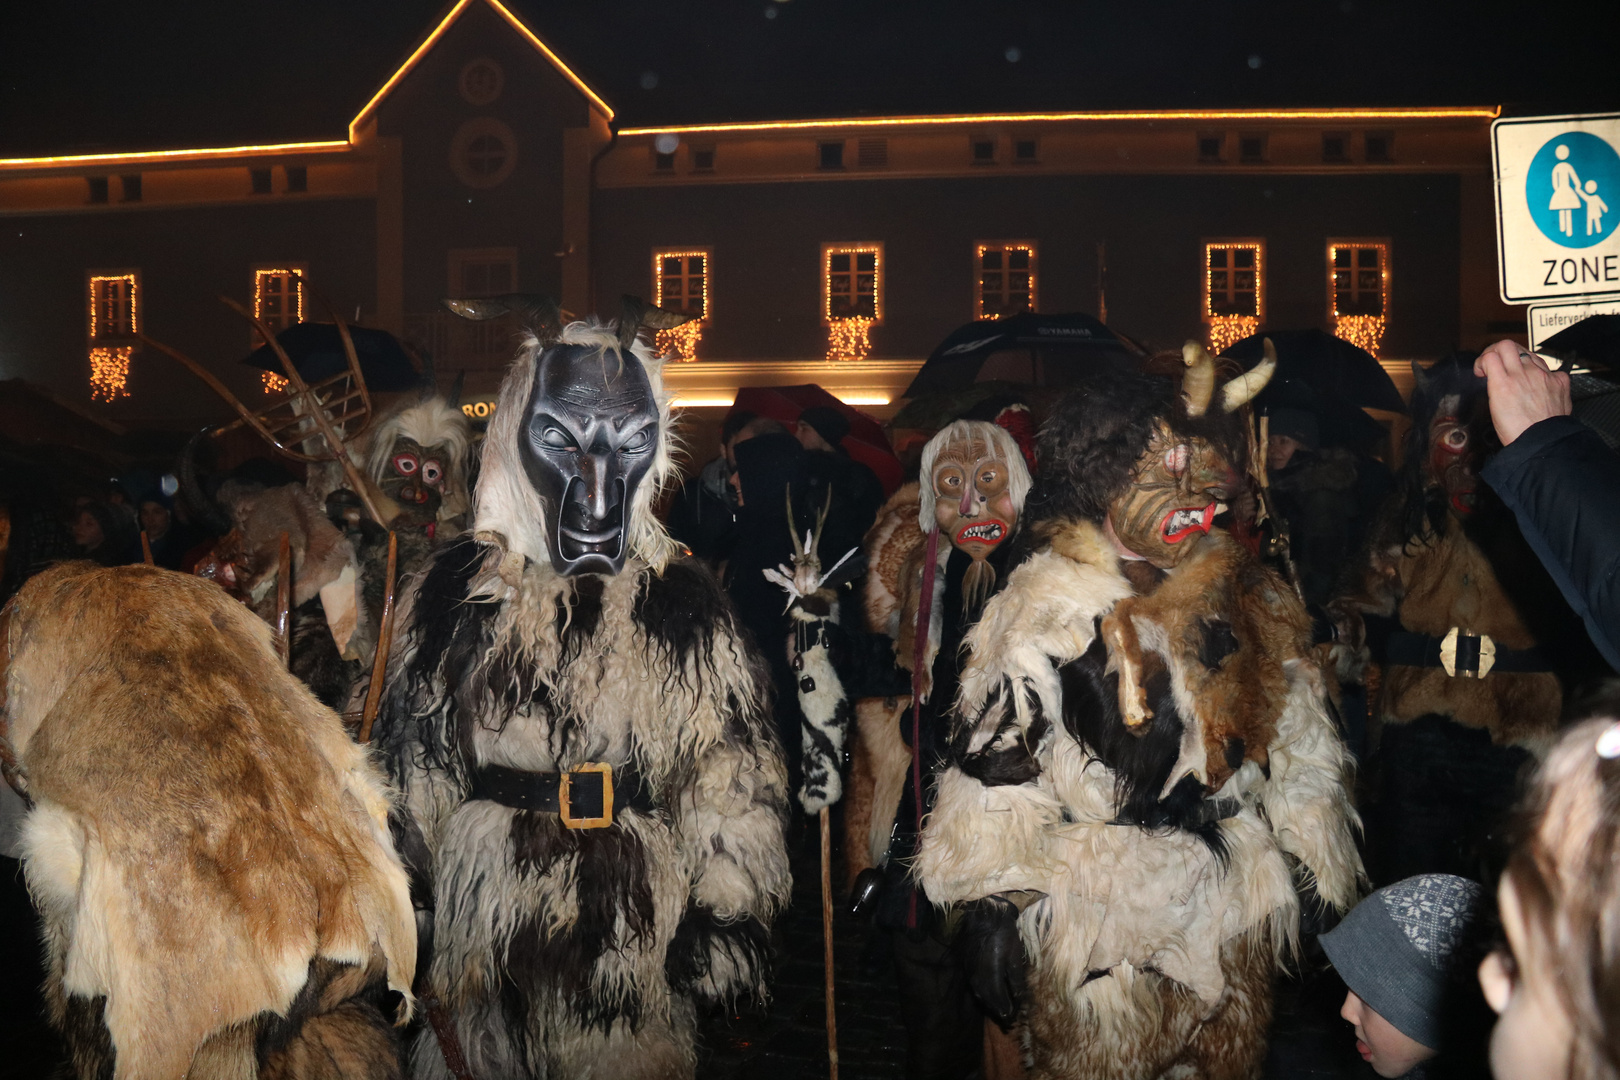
836,251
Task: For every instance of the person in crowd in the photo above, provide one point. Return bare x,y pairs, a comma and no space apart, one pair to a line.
703,513
1315,491
99,534
1404,953
1555,982
168,539
1562,483
856,491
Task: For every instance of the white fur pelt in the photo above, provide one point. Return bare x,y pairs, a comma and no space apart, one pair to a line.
826,710
1188,939
569,953
208,849
432,422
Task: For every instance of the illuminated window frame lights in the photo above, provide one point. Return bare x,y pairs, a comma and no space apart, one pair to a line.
1224,330
660,254
827,252
1364,331
133,278
272,382
109,362
978,272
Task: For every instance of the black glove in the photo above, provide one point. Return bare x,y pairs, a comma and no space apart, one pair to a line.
993,956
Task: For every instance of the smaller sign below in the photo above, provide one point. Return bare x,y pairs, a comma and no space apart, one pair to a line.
1548,319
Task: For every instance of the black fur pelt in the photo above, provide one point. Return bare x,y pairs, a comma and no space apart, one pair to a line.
992,764
1141,763
701,937
315,656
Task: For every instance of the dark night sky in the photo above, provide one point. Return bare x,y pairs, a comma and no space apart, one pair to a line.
78,76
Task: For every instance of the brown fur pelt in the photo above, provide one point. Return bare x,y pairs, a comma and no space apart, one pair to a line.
209,851
1050,793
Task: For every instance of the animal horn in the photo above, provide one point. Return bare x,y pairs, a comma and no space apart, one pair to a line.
637,313
1199,383
1240,391
1420,376
798,549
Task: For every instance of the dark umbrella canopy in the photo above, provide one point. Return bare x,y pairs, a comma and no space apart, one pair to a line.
1036,350
865,442
1339,422
316,350
1333,366
1593,342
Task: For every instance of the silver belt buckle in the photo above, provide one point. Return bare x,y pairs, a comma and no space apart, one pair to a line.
1448,654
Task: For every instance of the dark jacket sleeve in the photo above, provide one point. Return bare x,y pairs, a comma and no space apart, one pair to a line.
1562,483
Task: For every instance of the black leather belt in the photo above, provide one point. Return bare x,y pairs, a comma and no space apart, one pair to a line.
585,797
1469,656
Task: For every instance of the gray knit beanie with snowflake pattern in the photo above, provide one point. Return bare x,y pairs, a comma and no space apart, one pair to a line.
1395,950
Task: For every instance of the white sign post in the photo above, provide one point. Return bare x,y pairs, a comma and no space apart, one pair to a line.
1557,206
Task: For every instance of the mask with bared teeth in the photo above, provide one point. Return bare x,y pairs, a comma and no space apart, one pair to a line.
977,481
1179,486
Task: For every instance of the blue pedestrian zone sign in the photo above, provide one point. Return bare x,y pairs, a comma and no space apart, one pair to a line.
1557,206
1566,187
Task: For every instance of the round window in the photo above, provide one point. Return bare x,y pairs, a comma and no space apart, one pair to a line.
481,81
483,152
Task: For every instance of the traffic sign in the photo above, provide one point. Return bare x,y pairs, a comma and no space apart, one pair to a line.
1557,206
1548,319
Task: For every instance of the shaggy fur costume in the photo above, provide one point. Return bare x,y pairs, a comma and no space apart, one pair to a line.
209,851
562,953
1155,866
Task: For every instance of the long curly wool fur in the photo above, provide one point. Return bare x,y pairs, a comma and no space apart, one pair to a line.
429,423
558,951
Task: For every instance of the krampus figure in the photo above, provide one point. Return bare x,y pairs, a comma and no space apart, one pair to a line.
580,732
1142,768
1474,672
209,851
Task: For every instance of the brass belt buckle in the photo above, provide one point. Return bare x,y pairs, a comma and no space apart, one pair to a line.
1448,655
565,790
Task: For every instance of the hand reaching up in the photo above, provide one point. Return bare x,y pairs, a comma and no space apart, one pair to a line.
1522,390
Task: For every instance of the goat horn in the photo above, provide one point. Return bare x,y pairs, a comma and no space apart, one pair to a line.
798,549
1199,383
1240,391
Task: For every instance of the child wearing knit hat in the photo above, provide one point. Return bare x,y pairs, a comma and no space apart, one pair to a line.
1401,952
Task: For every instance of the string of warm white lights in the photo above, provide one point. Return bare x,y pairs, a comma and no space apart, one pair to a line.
853,293
109,373
1227,330
273,383
1363,331
1000,298
679,343
849,340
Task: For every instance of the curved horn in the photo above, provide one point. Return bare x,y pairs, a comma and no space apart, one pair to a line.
1240,391
1199,383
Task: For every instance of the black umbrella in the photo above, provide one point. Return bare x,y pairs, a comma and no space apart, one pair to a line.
1336,368
1339,423
1034,350
316,351
1594,342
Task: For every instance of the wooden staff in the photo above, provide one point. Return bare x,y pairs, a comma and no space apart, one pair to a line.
827,939
146,550
385,640
284,601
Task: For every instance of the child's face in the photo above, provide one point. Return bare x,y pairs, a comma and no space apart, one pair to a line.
1533,1035
1381,1043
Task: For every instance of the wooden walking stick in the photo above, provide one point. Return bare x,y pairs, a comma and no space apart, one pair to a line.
385,641
284,601
827,939
146,550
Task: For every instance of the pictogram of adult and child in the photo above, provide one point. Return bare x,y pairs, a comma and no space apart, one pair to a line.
1574,171
1569,193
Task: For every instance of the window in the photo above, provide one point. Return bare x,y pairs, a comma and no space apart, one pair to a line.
662,162
1335,146
681,282
259,181
703,159
1211,145
1026,151
297,178
1358,290
131,184
114,305
483,152
1252,148
1006,284
852,280
1380,146
984,151
832,154
872,153
98,188
483,272
114,320
1234,294
481,81
278,296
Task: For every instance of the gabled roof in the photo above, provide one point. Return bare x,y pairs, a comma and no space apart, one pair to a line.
440,30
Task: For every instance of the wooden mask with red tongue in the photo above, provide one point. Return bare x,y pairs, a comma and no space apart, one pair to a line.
974,490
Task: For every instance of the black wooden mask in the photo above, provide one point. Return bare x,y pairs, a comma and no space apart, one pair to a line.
589,436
